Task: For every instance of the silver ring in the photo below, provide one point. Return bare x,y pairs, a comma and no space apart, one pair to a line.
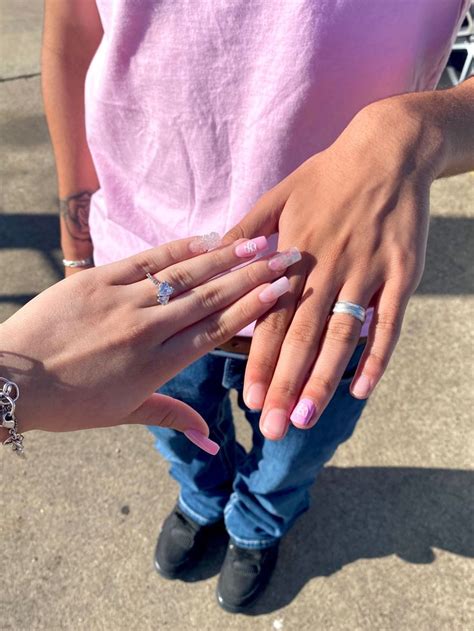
350,308
163,290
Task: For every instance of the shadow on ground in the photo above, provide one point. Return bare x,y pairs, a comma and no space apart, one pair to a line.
372,512
365,513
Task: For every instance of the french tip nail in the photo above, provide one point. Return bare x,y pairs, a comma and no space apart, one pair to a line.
275,290
202,441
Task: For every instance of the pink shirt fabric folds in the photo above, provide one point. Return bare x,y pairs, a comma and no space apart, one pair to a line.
196,108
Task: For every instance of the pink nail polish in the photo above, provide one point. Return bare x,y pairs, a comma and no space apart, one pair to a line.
206,242
282,260
251,247
362,387
275,423
275,290
205,443
303,412
255,396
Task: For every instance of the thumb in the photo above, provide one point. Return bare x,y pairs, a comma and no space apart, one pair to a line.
263,219
168,412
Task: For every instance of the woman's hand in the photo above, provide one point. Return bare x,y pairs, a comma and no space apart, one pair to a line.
91,350
359,213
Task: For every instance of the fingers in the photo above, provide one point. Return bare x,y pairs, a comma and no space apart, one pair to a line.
167,412
217,294
383,337
135,268
267,341
264,216
297,355
339,341
193,342
193,272
285,344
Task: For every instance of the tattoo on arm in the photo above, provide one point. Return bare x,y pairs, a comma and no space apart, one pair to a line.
74,209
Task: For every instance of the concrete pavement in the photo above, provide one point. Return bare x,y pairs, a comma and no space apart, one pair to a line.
388,542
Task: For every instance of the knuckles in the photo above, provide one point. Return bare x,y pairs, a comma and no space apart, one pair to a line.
342,331
211,299
273,324
180,278
217,330
235,233
302,334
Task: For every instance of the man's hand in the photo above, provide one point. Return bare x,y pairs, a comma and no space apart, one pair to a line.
70,271
359,211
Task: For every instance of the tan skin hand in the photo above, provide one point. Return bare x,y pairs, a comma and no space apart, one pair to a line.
70,271
359,212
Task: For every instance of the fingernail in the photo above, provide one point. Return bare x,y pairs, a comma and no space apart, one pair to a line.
303,412
275,422
275,290
205,443
255,396
282,260
251,247
204,243
362,387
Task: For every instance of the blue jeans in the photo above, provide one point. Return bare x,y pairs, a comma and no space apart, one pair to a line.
260,494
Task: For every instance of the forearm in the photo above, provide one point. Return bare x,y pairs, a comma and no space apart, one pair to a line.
447,120
71,35
456,111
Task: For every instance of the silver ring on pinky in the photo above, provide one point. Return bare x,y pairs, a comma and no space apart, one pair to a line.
163,290
350,308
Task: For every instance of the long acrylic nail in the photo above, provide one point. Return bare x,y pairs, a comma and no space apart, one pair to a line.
275,423
255,396
303,412
275,290
204,243
362,387
281,260
251,247
205,443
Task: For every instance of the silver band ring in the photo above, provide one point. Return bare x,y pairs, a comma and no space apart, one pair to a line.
163,290
350,308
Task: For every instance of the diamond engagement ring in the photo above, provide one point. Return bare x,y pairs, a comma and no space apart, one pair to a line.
163,290
350,308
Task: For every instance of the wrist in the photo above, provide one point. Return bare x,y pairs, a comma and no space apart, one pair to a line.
414,134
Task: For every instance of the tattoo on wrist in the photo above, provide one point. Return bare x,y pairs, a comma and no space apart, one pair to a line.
74,209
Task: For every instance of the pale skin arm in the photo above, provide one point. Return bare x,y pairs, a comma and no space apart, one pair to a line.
91,350
359,212
72,32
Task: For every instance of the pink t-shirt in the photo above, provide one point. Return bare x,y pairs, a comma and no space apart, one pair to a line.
196,108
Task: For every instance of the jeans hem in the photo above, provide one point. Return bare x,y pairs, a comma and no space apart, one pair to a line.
199,519
253,544
241,542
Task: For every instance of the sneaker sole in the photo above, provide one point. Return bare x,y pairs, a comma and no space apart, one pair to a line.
171,576
238,608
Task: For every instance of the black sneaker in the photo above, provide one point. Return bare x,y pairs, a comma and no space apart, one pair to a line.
244,575
180,543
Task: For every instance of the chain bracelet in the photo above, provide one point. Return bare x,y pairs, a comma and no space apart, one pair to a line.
9,394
